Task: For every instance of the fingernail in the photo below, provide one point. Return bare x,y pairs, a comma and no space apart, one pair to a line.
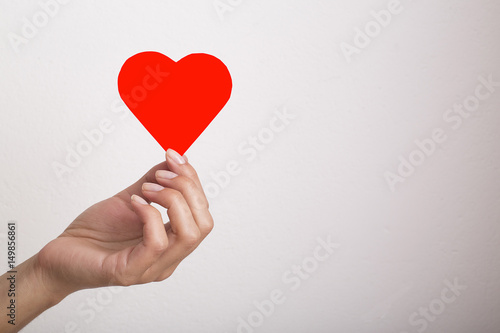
138,199
152,187
165,174
175,156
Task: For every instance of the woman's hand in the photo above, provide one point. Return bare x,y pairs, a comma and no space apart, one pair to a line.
123,240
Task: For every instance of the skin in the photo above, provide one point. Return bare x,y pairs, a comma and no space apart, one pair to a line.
120,241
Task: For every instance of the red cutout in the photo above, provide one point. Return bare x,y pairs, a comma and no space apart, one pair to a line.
175,101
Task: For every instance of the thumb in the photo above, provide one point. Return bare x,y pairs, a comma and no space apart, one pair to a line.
154,241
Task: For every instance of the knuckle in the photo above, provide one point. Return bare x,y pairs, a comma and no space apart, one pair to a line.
163,276
155,213
147,276
191,173
207,227
187,184
191,186
125,280
175,197
159,247
166,274
191,238
202,202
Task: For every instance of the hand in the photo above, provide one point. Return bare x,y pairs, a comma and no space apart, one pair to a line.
123,241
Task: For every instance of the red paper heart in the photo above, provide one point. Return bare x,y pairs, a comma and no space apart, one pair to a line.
175,101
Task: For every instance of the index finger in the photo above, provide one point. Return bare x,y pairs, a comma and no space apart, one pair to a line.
180,165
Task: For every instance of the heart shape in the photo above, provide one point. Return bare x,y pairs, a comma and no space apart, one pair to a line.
174,101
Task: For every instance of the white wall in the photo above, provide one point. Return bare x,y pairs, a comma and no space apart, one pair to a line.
323,176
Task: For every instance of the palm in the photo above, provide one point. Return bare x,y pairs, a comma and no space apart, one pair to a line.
123,241
111,224
97,243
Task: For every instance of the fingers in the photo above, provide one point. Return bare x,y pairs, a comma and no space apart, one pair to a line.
154,236
184,233
189,186
173,184
193,195
135,188
179,164
154,242
149,177
178,211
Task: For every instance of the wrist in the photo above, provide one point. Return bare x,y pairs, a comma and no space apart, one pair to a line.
28,291
49,289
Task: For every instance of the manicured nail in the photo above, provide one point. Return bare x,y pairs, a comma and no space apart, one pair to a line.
152,187
175,156
139,200
165,174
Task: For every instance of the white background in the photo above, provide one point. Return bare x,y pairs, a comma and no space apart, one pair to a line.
322,176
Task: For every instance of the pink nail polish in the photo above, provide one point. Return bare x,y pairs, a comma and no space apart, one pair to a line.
152,187
138,199
175,156
165,174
